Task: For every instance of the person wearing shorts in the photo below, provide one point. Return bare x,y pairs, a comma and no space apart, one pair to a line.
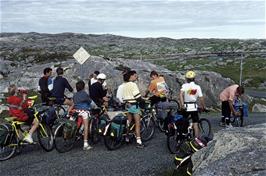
82,105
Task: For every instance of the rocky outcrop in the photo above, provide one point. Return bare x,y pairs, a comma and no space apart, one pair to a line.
28,77
235,151
259,108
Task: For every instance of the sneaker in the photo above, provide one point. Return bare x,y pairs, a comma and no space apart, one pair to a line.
140,146
127,139
28,139
87,147
229,125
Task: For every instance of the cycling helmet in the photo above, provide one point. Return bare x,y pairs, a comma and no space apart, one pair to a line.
190,74
101,76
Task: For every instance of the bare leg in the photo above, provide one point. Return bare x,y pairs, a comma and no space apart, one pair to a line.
86,129
196,129
137,123
35,125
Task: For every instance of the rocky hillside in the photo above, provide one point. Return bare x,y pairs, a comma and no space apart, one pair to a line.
236,151
24,55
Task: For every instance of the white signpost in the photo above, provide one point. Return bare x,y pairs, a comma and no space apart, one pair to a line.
81,56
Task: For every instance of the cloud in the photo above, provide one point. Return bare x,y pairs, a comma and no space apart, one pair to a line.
140,17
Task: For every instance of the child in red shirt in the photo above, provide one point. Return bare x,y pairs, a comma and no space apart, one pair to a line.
18,107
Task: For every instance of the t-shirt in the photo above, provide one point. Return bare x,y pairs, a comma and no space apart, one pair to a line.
59,86
158,87
130,92
44,88
97,93
82,100
191,93
14,108
228,93
93,80
119,93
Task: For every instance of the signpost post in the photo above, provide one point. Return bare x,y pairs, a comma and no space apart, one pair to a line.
81,56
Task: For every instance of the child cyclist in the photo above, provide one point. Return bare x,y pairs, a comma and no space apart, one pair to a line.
18,108
82,104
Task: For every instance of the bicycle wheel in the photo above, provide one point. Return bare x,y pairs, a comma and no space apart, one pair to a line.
174,142
147,128
93,131
45,137
205,127
112,142
9,149
63,143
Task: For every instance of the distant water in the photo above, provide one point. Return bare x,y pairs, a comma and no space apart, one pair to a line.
168,18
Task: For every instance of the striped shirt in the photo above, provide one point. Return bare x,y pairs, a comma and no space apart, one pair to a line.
130,92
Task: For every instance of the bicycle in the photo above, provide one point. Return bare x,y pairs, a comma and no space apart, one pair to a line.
116,131
14,140
176,137
69,131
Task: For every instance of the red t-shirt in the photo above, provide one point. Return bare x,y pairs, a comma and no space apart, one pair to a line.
15,111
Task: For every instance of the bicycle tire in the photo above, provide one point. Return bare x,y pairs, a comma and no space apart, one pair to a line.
173,143
205,127
147,128
93,131
62,143
12,145
112,143
45,137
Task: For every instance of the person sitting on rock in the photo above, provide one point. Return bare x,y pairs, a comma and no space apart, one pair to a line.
18,108
82,105
59,86
227,96
158,88
189,94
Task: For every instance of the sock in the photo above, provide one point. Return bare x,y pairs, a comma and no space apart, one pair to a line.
139,140
86,143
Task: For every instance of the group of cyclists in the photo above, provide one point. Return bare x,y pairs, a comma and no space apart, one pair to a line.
128,96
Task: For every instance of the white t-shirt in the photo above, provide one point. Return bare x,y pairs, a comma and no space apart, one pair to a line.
119,92
191,93
93,80
130,92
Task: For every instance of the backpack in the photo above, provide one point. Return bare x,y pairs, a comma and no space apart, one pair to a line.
5,133
163,108
70,129
118,125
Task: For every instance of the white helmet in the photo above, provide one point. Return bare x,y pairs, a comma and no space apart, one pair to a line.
101,76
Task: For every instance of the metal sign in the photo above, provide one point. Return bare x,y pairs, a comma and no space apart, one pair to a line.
81,55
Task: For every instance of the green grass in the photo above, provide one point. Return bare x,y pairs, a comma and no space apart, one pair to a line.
253,68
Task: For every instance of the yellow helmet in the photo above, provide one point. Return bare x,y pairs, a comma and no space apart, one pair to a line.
190,74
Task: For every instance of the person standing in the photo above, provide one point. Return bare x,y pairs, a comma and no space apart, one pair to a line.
97,92
44,85
131,97
189,94
59,86
227,97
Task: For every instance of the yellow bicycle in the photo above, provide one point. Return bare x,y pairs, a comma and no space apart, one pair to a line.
15,133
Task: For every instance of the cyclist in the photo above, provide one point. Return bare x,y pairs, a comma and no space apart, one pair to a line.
82,104
158,88
18,107
227,97
94,77
59,86
189,94
131,97
119,92
97,93
44,85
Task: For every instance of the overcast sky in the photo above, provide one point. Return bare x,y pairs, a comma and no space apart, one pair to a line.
138,18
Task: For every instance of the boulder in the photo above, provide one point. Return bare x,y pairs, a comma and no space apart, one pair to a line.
259,108
234,151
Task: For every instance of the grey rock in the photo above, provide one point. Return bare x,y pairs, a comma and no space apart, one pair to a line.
259,108
234,151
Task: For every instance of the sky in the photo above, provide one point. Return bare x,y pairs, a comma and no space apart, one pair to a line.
243,19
